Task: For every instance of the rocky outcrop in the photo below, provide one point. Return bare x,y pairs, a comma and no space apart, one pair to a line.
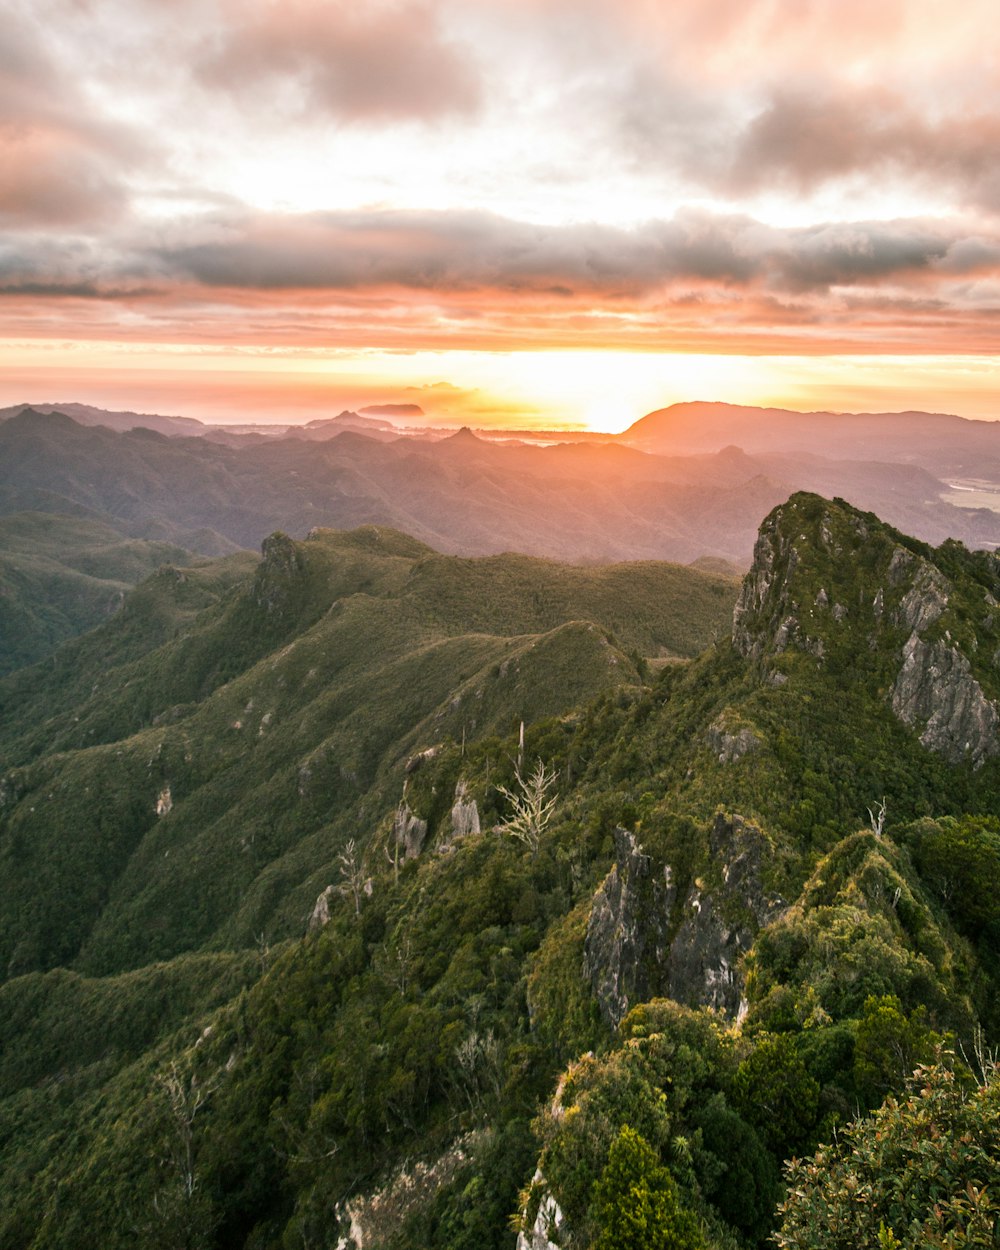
719,927
899,609
275,586
936,694
367,1221
409,831
548,1220
421,758
464,813
321,910
731,742
644,940
627,922
765,618
927,597
935,691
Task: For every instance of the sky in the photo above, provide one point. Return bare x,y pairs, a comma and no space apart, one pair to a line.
524,212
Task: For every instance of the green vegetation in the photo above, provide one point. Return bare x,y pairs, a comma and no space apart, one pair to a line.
61,576
704,949
635,1201
921,1172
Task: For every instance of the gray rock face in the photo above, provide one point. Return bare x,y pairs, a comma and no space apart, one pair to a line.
321,911
409,831
895,594
464,813
547,1223
629,955
731,743
704,965
367,1221
628,919
279,572
936,693
764,618
925,601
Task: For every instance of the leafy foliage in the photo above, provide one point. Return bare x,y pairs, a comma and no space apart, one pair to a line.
61,576
635,1205
921,1172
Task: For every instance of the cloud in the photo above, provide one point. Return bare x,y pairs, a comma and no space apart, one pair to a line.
739,100
413,280
49,179
360,63
454,252
157,158
804,138
61,162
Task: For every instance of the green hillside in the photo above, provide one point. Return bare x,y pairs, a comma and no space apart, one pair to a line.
198,792
739,903
62,575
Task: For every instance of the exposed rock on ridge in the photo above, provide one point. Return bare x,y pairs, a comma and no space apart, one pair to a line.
409,831
464,813
644,940
828,579
935,689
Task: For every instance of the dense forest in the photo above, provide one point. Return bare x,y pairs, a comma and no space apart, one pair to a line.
367,897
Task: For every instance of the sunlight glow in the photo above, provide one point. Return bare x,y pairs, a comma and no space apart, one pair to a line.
596,390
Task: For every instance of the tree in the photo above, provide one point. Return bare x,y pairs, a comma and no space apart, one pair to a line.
960,859
889,1046
182,1217
531,805
919,1174
635,1204
356,883
774,1091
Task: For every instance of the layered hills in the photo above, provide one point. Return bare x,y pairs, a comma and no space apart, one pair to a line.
935,441
668,495
174,790
307,944
62,575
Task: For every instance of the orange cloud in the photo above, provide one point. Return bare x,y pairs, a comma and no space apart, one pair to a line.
367,62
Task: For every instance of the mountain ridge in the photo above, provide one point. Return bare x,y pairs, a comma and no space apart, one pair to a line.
479,1003
570,501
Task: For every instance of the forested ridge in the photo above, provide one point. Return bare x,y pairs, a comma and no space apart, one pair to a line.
568,918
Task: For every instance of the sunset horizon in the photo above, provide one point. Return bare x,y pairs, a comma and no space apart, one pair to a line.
536,214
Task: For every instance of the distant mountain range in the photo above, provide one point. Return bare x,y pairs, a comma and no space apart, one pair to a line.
689,481
940,443
321,427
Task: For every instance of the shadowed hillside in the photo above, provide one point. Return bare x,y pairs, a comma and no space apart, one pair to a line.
461,494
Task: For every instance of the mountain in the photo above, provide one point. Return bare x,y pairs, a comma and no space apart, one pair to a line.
61,576
346,420
937,442
87,414
307,945
461,494
281,707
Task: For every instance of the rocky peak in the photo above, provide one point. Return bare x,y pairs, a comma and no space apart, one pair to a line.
280,570
838,585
